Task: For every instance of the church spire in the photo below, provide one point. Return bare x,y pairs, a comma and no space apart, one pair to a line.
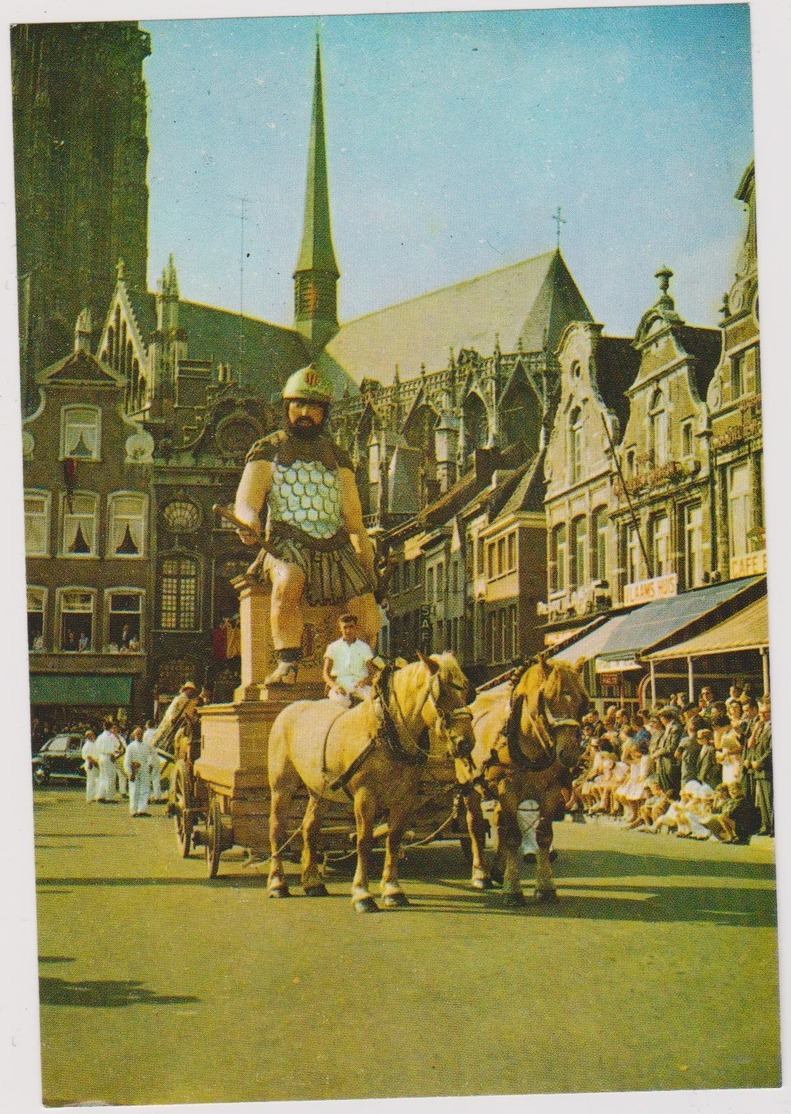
316,274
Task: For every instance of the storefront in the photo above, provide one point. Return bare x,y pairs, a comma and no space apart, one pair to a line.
735,649
616,666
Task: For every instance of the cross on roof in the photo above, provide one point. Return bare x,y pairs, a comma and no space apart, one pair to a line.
559,219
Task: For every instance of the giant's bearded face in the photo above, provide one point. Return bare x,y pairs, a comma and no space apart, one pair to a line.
304,418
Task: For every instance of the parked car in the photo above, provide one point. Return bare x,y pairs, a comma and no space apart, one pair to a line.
60,757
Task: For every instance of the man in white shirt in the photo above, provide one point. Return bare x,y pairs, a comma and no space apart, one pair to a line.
108,748
158,762
138,761
91,761
348,665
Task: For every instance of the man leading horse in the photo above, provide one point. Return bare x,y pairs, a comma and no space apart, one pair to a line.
317,548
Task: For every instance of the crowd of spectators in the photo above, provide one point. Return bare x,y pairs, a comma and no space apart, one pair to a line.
699,770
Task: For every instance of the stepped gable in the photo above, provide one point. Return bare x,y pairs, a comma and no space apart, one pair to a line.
526,305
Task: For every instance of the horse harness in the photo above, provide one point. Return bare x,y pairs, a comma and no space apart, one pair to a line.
543,726
388,735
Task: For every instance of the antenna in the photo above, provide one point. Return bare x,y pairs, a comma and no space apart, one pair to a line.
559,219
243,201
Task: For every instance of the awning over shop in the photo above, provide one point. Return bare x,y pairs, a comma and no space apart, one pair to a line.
80,690
624,636
558,637
591,644
748,630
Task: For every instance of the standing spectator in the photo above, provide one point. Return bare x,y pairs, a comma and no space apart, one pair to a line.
747,727
759,749
137,764
107,749
687,753
668,771
709,771
90,758
705,702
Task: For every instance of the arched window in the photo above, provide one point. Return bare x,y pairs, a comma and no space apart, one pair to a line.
657,425
575,445
476,423
178,592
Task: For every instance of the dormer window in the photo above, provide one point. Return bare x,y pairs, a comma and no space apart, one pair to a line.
80,433
657,423
575,445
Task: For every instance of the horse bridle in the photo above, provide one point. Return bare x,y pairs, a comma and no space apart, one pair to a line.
547,728
447,718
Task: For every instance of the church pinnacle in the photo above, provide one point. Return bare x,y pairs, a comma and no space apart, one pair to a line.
316,275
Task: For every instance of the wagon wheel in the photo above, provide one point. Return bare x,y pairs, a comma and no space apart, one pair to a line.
219,835
183,819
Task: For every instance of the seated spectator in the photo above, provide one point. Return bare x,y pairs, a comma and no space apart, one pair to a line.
635,788
731,820
653,806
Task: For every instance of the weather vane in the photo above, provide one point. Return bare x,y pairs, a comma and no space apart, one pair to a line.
559,219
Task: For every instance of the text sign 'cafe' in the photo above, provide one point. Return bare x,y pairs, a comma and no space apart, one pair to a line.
658,588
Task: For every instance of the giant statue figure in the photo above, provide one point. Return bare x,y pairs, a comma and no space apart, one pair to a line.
316,547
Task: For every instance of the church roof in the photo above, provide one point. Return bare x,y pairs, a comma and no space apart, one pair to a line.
271,352
529,303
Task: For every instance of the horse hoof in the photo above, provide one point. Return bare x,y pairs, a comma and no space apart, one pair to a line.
482,883
395,901
514,900
548,896
279,891
366,905
497,876
319,890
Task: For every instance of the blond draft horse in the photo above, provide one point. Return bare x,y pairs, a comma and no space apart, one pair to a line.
374,755
527,742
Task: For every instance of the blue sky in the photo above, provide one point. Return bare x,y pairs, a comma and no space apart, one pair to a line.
452,139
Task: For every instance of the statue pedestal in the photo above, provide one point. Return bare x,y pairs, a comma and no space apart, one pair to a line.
259,656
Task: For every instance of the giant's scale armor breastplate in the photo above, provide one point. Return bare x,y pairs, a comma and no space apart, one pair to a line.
306,494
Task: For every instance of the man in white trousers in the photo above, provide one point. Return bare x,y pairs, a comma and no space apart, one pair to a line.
158,763
137,766
90,760
108,748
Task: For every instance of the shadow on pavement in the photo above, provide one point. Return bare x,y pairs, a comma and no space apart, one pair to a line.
84,835
106,993
56,959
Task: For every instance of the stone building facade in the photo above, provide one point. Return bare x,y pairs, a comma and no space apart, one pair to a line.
663,515
592,413
87,474
734,401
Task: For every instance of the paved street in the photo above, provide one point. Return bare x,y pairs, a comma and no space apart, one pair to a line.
656,970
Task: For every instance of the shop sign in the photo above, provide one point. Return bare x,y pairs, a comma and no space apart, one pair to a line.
644,591
611,680
750,564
